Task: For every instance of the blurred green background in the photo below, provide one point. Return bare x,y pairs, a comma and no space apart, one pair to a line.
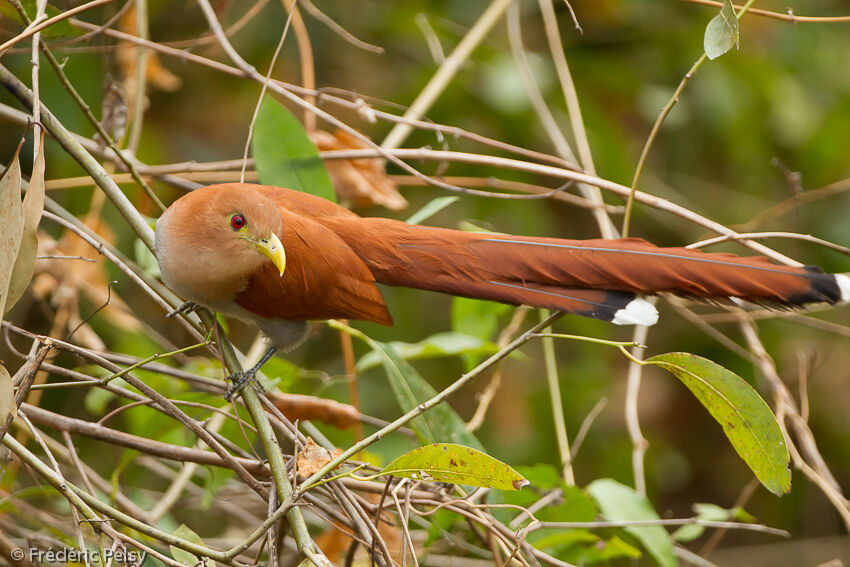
780,104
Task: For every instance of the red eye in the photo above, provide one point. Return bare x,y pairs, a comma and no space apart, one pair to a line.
237,222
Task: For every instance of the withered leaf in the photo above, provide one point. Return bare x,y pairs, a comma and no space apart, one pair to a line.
359,182
299,407
313,457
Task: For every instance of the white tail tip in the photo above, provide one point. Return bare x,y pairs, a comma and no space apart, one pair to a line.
641,312
844,285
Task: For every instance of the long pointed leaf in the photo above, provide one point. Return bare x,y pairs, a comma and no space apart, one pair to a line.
435,346
440,423
32,208
745,417
12,221
185,557
285,156
621,503
447,462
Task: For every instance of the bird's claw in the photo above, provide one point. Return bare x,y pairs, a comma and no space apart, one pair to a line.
186,307
239,380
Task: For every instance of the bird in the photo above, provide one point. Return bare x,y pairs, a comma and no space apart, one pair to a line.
279,258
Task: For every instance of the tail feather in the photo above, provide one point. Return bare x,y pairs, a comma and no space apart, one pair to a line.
595,278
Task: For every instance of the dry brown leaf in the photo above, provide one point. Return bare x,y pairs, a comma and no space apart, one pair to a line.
360,182
334,545
33,205
12,221
310,408
113,115
160,77
313,457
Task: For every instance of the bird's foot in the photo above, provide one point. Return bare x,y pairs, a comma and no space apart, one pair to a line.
239,380
187,307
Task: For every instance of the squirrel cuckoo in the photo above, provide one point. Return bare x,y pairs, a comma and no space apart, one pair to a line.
279,258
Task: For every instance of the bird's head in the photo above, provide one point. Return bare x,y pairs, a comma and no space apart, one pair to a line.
210,241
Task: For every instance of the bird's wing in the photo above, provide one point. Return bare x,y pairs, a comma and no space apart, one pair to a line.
324,279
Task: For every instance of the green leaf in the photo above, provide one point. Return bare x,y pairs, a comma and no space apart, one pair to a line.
222,321
468,226
710,513
441,522
96,399
285,156
542,476
437,345
621,503
477,318
430,209
614,548
721,33
12,221
282,374
32,208
62,28
447,462
745,417
145,259
736,513
559,540
185,557
575,506
440,423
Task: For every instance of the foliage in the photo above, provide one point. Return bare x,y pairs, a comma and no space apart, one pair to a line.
746,419
129,403
446,462
284,154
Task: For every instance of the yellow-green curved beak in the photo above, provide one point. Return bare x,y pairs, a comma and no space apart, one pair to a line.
272,248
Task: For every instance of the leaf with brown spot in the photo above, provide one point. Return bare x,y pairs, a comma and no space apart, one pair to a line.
440,462
360,182
747,420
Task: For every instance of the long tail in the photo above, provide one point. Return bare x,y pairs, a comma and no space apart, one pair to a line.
594,278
